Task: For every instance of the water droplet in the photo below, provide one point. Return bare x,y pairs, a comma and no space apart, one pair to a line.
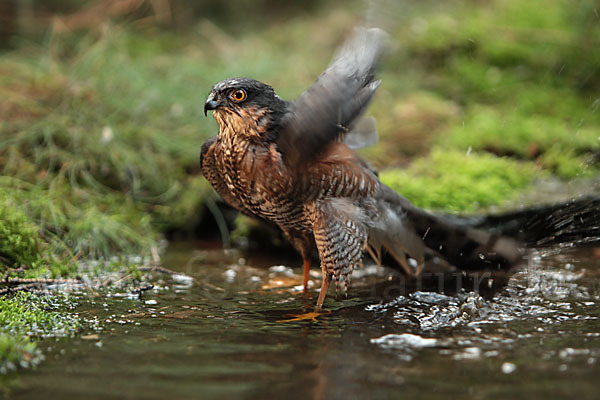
508,368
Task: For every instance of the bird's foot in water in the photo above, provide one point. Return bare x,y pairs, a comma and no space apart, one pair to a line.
309,316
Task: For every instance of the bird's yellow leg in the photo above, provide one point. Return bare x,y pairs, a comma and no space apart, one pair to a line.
306,272
375,255
323,293
318,308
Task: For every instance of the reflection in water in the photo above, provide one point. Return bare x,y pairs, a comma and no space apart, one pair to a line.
221,335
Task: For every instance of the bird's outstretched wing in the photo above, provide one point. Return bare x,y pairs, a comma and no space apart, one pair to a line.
363,134
335,101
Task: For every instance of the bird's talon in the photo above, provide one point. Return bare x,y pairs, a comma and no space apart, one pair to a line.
312,316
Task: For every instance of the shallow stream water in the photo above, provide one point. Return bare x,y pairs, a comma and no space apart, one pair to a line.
233,332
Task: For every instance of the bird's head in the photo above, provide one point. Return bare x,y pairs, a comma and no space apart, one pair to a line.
249,107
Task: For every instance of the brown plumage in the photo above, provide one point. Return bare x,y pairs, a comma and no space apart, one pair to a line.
284,162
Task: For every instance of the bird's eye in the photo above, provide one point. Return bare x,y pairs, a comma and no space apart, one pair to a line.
238,96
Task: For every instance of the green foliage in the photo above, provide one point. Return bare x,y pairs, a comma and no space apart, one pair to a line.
187,209
407,124
24,316
561,147
552,45
22,244
29,314
525,78
19,237
92,161
516,132
566,163
453,181
66,224
17,352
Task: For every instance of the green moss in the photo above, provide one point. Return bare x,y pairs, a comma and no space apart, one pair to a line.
249,229
453,181
525,79
100,156
20,244
69,224
408,125
565,163
512,132
512,33
562,147
30,314
243,227
25,317
185,211
17,352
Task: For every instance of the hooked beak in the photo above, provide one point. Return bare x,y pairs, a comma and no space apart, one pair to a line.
211,103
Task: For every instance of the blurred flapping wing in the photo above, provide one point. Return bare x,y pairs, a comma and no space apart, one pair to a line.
335,101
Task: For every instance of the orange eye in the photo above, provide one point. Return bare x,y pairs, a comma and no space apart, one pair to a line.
238,96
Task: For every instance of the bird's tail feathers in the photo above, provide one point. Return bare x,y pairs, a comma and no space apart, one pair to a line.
575,222
464,247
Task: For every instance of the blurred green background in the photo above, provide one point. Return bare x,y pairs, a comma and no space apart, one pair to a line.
101,123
